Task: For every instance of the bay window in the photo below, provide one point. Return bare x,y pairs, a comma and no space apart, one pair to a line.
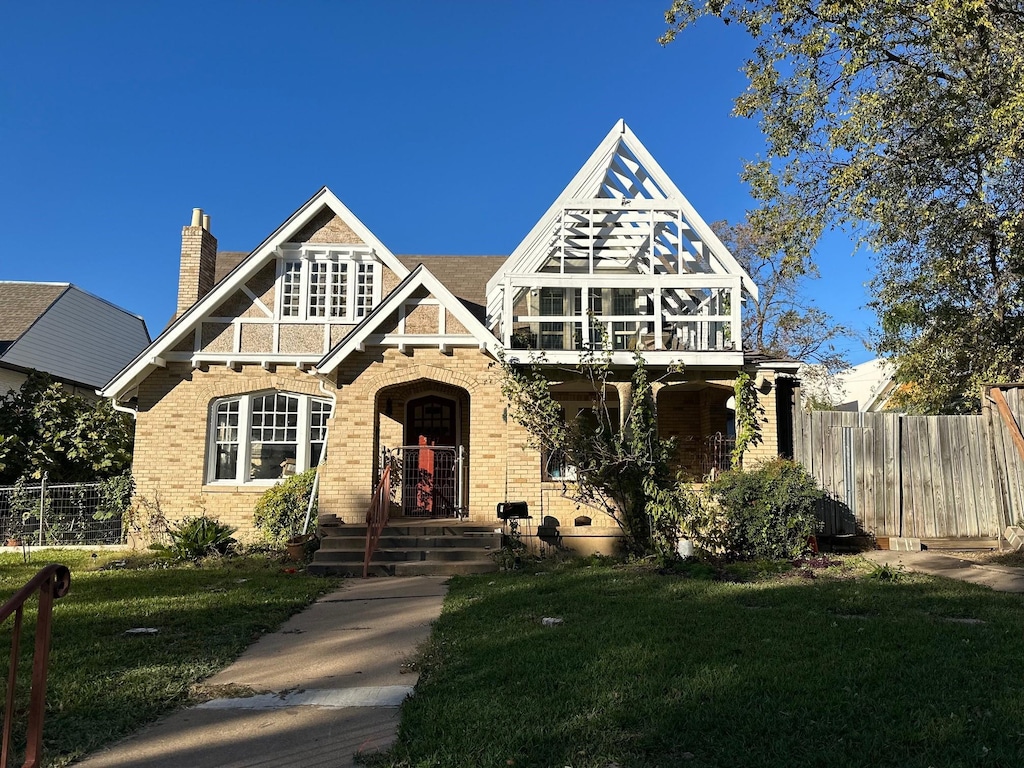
265,436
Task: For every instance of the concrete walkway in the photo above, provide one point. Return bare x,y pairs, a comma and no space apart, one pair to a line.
1001,578
329,683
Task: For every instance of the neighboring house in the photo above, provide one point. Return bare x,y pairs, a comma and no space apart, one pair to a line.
867,387
79,339
321,342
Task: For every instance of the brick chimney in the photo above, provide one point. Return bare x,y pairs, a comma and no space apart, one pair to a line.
198,261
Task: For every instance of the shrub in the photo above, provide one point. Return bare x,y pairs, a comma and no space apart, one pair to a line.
769,511
196,537
281,511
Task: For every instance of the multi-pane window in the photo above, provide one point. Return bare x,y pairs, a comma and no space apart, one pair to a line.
266,436
552,303
225,457
328,286
328,289
364,289
291,289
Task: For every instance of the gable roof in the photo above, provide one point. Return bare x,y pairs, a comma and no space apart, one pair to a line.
465,276
619,169
234,278
420,277
66,332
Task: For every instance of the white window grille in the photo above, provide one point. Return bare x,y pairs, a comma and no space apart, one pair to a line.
319,286
266,436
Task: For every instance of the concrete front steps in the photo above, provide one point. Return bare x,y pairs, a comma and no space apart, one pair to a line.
407,547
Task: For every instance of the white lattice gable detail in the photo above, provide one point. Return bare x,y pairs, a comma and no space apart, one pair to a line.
270,249
621,213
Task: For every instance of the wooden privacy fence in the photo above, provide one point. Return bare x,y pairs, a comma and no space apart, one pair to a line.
926,477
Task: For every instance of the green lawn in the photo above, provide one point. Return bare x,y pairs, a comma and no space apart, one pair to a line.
104,684
686,670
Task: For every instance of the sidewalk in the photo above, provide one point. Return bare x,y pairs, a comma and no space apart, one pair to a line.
330,683
1001,578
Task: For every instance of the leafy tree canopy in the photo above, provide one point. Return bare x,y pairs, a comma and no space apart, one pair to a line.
783,320
902,120
45,428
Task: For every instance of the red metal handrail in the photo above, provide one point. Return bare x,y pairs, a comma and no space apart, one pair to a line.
51,582
377,516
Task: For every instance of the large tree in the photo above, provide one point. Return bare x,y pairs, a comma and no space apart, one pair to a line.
902,121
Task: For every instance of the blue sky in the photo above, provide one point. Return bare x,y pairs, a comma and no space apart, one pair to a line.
446,127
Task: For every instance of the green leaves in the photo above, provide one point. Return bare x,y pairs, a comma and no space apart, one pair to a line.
901,119
45,428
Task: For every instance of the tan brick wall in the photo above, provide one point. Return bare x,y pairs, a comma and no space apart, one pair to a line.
326,227
171,437
197,266
768,448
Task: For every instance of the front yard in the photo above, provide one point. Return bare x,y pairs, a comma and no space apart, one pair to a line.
105,684
827,667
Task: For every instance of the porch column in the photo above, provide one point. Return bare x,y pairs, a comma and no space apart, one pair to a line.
625,392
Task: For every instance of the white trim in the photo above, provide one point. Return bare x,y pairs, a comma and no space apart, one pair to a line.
139,368
583,193
243,458
365,334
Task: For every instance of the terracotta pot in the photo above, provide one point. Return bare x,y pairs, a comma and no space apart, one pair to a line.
297,547
12,542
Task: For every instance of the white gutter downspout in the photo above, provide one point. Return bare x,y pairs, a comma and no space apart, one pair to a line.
121,408
313,494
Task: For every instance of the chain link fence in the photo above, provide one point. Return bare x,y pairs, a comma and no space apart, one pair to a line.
62,513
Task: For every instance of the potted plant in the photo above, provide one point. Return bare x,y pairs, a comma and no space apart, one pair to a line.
280,514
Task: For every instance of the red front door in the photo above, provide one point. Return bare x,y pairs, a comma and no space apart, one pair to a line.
429,467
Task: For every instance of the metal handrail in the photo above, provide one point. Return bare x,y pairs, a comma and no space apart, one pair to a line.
51,582
377,516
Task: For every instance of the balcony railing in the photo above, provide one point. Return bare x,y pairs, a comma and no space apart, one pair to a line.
671,313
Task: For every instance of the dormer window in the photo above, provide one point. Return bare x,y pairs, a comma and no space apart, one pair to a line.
327,284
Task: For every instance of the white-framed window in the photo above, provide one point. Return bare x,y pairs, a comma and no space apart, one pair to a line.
265,436
327,284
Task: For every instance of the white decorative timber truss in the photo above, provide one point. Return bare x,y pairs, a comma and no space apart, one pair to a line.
621,260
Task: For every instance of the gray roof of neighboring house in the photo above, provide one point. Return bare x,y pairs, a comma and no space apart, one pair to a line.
69,333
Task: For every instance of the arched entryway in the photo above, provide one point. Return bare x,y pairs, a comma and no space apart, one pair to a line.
430,457
423,430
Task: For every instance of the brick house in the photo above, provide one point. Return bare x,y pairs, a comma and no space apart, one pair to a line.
323,347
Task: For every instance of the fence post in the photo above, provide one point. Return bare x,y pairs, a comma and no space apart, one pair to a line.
42,504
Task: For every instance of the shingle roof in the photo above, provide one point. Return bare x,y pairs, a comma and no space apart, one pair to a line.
226,261
464,276
21,304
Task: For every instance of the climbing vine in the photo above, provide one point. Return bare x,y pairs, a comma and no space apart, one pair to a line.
620,467
748,417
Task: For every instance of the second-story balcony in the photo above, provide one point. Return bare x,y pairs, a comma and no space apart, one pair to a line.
689,318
